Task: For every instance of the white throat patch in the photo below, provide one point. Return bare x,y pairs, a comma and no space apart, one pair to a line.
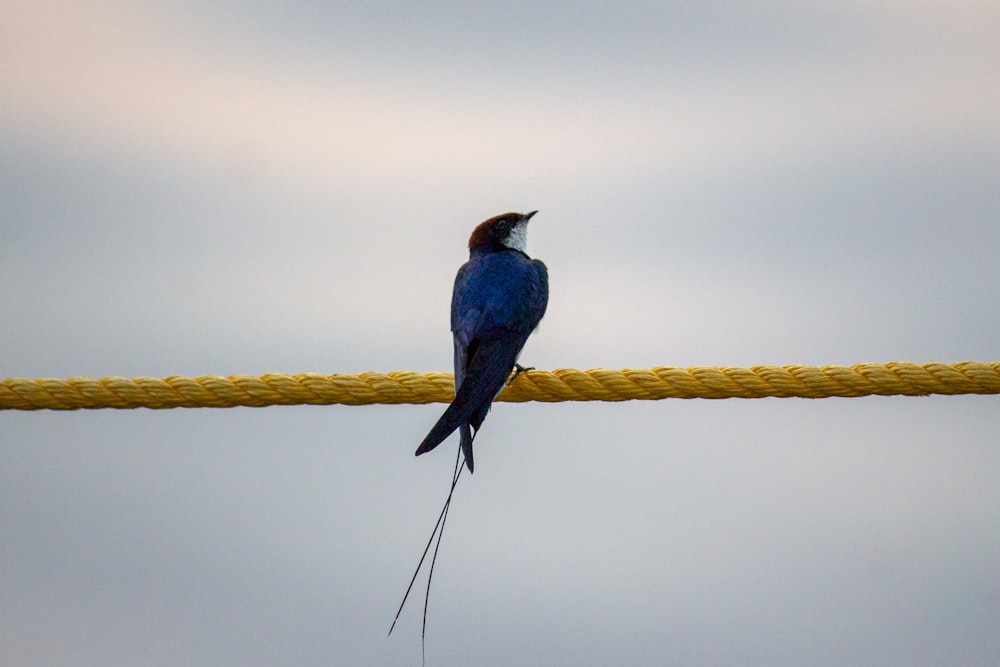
518,237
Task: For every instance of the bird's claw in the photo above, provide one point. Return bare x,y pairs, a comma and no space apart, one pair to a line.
518,369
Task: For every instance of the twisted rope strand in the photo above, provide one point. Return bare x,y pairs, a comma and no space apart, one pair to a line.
564,384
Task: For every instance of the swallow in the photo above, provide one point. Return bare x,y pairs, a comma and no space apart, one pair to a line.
499,297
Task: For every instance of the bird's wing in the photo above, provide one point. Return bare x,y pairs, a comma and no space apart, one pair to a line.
488,367
537,293
461,354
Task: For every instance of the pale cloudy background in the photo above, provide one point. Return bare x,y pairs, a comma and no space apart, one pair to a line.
248,187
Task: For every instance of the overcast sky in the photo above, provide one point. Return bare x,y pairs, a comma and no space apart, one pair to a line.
252,187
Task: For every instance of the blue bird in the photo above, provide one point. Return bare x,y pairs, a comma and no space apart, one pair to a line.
499,298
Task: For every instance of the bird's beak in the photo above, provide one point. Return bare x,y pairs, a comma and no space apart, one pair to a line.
527,216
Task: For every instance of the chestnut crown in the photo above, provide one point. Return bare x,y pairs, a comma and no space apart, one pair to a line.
509,230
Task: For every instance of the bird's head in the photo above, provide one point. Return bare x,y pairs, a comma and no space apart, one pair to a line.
509,230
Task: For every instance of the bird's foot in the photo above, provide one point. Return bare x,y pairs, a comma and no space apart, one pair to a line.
518,369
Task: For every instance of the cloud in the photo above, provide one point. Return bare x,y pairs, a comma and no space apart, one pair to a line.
204,188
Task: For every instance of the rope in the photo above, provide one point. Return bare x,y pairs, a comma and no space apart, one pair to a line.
599,384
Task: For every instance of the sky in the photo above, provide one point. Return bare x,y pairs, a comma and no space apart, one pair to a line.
195,188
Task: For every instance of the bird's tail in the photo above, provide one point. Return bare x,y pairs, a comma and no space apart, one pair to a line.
452,418
455,417
466,435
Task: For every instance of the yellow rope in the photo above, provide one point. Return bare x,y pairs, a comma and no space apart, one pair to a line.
565,384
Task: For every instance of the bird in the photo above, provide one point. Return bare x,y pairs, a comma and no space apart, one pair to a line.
499,297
